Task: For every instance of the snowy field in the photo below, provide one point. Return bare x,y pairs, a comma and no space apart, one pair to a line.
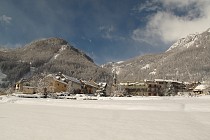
134,118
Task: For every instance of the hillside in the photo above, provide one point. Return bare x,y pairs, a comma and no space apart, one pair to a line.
50,55
188,59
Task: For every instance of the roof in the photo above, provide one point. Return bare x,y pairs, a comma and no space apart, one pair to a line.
89,84
133,83
200,87
72,79
56,78
102,84
170,81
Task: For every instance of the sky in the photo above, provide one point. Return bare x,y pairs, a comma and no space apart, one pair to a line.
106,30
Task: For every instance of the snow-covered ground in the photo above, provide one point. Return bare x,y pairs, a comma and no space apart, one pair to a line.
110,118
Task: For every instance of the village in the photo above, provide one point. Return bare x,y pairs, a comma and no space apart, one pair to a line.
61,86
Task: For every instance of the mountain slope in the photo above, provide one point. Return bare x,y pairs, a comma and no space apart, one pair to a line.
188,59
50,55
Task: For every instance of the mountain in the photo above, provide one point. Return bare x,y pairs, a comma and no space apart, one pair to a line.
50,55
188,60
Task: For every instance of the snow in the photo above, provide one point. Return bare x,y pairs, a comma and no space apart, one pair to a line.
185,42
147,66
56,56
109,118
153,72
63,48
116,69
189,44
201,87
175,45
119,62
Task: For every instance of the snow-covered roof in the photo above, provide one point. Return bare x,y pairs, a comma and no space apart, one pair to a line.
89,84
131,83
163,80
64,78
72,79
102,84
200,87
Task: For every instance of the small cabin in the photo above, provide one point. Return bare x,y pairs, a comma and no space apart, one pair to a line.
23,86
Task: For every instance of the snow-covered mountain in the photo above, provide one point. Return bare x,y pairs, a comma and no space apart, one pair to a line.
50,55
188,59
192,40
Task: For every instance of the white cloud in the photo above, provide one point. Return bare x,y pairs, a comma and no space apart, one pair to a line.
147,6
107,31
180,3
5,19
168,27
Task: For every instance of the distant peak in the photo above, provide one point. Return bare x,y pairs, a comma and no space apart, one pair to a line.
52,40
208,30
186,42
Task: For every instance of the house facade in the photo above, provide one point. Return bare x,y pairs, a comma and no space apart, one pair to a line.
157,87
53,83
170,87
135,88
89,87
23,86
154,88
29,90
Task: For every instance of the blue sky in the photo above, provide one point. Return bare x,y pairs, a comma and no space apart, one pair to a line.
107,30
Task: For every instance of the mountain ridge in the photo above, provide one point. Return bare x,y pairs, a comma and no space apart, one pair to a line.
50,55
186,60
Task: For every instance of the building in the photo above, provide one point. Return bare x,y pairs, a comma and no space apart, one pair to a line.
201,89
74,85
133,88
29,90
154,88
170,87
157,87
89,87
23,86
53,83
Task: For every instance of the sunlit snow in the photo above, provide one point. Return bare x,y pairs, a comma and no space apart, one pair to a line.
109,118
147,66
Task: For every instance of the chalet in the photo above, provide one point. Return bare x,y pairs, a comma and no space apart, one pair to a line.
23,86
53,83
74,85
89,87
